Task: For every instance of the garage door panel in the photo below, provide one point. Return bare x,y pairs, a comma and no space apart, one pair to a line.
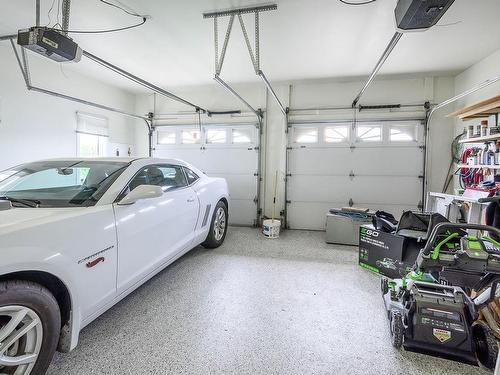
367,189
320,160
230,160
387,160
237,163
312,216
190,155
240,186
361,160
382,175
242,212
318,188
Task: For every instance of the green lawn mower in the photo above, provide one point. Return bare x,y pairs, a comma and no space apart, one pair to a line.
448,305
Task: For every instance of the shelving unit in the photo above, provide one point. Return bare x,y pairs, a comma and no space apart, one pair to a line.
487,138
478,166
481,110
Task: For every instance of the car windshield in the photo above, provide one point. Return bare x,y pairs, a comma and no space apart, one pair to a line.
61,183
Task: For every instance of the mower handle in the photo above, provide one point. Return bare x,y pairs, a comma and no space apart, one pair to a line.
441,227
496,198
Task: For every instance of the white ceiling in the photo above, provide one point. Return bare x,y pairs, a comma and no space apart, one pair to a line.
301,40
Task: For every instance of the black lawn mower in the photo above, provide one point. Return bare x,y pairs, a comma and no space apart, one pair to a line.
448,305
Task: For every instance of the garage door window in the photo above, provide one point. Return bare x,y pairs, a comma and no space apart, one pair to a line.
190,136
336,134
216,136
167,137
242,135
403,133
369,133
305,135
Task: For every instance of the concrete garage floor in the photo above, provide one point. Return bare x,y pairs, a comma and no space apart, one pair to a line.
254,306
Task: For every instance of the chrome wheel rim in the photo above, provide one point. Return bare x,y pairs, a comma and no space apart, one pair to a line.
220,224
21,335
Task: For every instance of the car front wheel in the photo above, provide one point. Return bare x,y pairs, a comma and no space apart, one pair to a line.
30,322
218,227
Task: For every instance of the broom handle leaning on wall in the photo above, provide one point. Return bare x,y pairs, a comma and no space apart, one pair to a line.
274,198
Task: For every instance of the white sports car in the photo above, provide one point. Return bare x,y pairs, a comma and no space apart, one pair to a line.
78,235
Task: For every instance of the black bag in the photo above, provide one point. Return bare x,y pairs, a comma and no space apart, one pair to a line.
384,222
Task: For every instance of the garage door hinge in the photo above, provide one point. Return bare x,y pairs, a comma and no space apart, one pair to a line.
288,202
421,147
289,148
352,148
256,174
302,146
259,211
351,202
255,148
255,200
352,175
203,148
421,176
288,175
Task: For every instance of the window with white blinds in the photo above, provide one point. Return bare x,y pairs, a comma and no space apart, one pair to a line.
92,124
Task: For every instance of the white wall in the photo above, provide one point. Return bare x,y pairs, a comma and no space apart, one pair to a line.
485,69
319,93
35,126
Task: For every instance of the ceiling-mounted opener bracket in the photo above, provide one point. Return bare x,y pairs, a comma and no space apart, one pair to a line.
254,51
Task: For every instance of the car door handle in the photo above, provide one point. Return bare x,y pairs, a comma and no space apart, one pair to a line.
191,199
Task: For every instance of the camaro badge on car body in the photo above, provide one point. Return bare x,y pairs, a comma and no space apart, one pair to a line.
95,262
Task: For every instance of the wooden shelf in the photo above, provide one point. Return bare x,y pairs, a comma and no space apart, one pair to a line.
478,166
486,138
481,110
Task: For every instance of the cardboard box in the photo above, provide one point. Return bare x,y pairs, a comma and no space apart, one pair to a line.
386,253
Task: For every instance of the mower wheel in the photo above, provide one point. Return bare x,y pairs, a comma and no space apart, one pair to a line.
397,329
384,285
486,344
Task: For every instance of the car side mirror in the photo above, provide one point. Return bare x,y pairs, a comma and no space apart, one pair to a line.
141,192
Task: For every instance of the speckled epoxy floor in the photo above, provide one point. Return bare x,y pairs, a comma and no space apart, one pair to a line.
294,305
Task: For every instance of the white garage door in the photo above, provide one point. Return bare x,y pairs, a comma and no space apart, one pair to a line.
229,151
378,165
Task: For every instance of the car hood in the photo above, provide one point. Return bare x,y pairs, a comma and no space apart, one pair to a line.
22,218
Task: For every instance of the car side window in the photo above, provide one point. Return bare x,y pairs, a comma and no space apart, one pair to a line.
191,176
169,177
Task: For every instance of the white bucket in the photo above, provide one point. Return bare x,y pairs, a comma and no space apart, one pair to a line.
271,228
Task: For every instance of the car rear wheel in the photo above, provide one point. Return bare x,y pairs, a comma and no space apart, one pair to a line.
218,227
30,322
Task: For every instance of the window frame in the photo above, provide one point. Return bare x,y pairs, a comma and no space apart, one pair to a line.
185,169
346,141
194,144
172,130
381,125
307,126
403,124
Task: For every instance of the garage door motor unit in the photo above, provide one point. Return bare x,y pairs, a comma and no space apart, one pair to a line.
418,15
49,43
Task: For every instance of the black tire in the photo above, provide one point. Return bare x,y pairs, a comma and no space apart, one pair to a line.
486,345
384,285
211,242
42,302
397,329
